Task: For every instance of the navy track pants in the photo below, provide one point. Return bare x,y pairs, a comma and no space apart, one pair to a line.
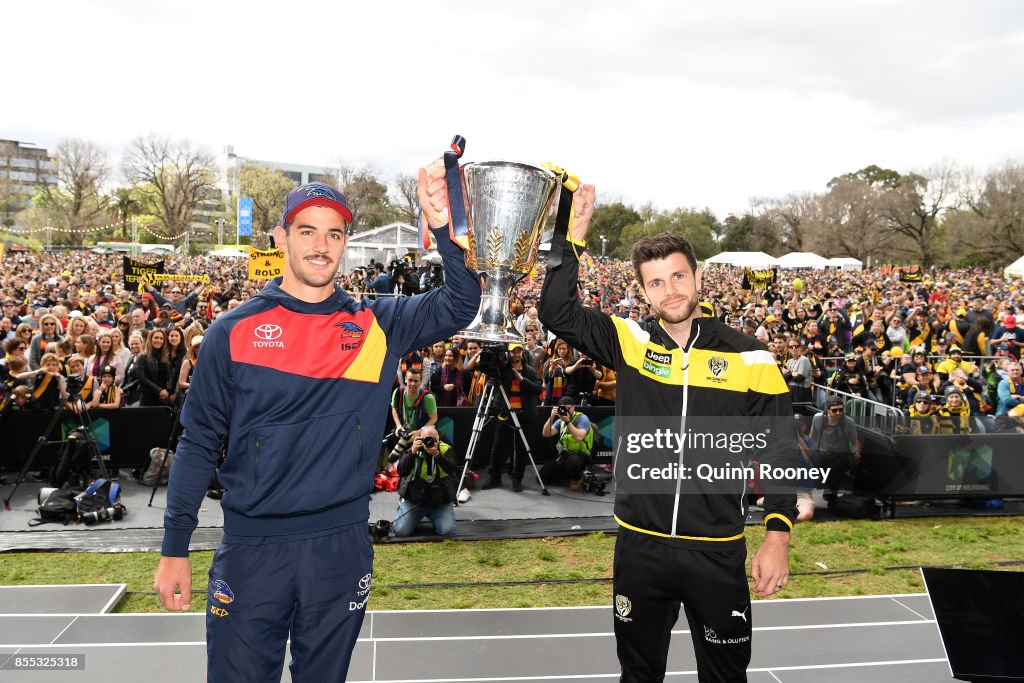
312,590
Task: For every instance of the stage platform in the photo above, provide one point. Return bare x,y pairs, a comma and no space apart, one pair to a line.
842,640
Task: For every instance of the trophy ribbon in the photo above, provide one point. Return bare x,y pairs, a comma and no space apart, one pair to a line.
458,229
563,219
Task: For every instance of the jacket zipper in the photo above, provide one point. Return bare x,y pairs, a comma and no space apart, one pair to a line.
256,467
682,428
615,458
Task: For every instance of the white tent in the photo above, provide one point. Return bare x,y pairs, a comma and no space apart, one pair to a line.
1015,269
384,244
845,263
230,252
803,259
744,259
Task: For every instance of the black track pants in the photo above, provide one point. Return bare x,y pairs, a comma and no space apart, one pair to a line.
652,579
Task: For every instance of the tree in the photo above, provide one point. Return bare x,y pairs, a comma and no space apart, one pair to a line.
849,221
76,202
268,189
792,218
367,197
914,208
406,207
124,204
174,175
610,220
873,175
992,220
749,233
699,227
8,199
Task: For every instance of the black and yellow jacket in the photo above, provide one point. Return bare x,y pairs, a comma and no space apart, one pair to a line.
720,373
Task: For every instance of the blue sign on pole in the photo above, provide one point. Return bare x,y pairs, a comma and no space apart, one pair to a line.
245,216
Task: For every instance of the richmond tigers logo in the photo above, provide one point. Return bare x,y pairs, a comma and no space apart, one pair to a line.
717,365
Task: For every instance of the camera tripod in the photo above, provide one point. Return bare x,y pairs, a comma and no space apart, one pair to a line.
487,397
76,452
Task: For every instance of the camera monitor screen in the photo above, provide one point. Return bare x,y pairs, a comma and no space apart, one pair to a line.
980,615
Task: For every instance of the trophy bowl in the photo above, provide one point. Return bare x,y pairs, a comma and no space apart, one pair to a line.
506,205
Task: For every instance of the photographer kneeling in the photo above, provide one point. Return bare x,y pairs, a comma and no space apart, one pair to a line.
427,485
575,442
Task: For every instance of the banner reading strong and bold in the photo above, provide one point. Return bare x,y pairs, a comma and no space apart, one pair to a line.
265,265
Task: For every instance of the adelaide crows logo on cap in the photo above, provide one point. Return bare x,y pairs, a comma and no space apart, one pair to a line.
320,190
222,592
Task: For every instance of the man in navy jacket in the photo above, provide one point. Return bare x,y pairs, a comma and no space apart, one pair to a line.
296,382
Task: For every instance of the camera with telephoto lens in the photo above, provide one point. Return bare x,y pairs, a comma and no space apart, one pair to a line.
404,440
563,411
429,442
114,513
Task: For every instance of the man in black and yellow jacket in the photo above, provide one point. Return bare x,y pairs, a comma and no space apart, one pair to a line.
682,546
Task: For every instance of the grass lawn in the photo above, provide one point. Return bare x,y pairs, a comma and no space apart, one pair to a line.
856,558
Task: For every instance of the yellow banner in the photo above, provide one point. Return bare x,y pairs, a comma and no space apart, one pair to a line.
182,278
265,265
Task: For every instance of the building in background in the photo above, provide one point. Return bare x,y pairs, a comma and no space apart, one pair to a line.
23,166
300,174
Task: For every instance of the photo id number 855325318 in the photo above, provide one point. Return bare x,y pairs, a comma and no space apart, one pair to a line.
44,662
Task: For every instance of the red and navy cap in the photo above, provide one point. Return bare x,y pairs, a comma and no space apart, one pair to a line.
315,194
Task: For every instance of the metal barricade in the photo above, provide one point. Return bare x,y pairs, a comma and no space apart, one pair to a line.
878,417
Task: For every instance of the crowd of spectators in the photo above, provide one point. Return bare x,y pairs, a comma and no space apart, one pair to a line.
945,350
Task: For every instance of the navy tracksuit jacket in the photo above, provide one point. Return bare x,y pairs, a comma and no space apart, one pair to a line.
300,393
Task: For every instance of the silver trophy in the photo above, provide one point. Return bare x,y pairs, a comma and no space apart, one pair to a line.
507,204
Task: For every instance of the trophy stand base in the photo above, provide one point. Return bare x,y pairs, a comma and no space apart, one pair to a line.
492,322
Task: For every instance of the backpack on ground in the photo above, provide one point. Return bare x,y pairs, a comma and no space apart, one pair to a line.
156,458
101,502
57,506
855,506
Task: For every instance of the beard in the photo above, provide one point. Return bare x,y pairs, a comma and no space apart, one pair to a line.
677,315
308,277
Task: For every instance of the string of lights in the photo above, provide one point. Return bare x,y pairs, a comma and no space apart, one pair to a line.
92,230
68,231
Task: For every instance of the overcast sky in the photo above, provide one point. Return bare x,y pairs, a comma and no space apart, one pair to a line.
678,103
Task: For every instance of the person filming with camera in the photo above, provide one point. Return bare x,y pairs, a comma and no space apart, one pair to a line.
427,485
575,442
522,386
